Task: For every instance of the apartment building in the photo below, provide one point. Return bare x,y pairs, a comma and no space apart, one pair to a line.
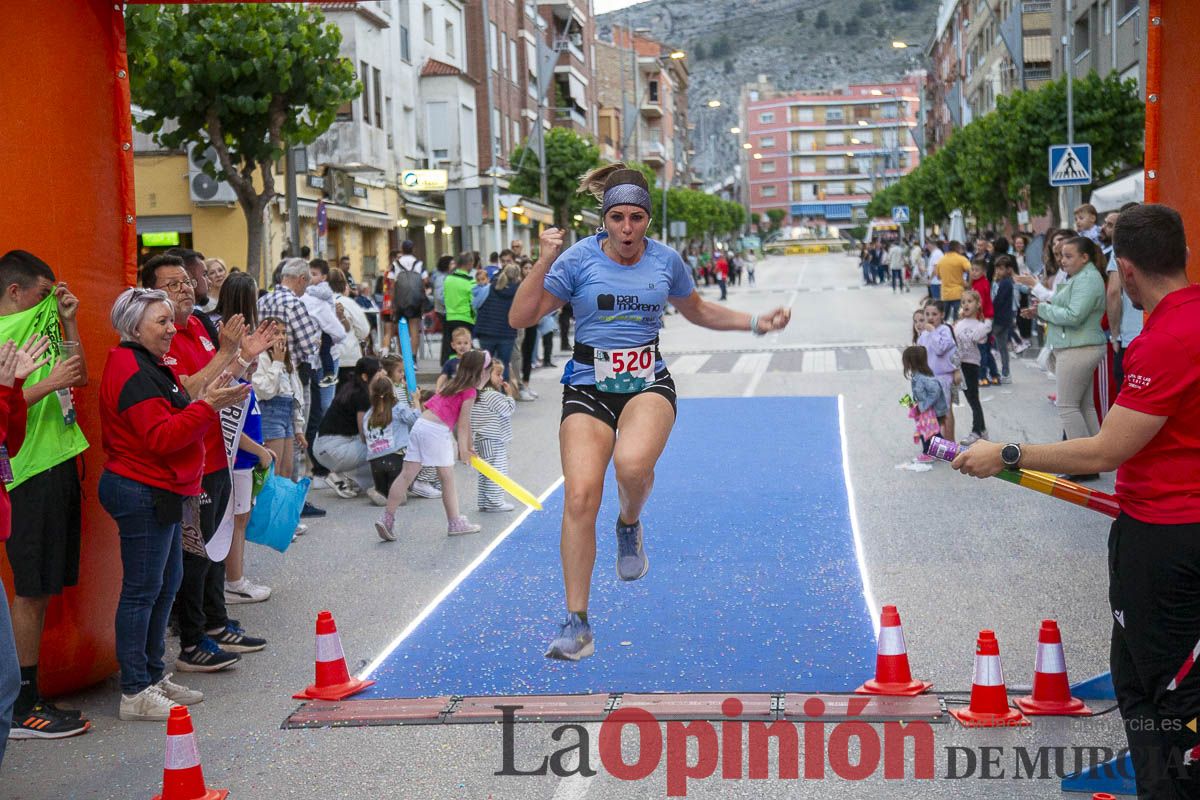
1107,35
820,155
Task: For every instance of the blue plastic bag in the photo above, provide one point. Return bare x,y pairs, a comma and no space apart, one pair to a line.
276,511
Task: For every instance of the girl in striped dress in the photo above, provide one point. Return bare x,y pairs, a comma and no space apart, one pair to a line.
491,422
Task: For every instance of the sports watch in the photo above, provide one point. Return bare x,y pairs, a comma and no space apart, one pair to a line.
1011,455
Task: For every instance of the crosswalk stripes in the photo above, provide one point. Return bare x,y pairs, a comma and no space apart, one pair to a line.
833,359
819,361
885,358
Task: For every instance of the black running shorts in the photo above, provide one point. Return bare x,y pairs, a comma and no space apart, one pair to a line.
43,549
607,406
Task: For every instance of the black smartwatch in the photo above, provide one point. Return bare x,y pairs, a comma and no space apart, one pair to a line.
1011,455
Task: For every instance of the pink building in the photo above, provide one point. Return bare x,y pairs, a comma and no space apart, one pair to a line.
819,156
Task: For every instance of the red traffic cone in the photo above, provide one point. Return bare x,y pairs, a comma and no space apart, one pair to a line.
1051,690
989,698
333,679
892,675
182,777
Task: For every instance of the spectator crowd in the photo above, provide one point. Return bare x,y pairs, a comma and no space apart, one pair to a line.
990,299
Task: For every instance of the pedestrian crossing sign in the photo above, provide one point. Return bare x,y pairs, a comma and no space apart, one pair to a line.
1070,164
900,214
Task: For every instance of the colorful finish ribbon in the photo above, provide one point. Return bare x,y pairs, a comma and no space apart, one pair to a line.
1043,482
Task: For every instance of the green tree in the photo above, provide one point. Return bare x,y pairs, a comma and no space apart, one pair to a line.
998,162
868,8
822,20
699,51
904,5
799,15
776,215
251,80
853,27
729,68
837,27
568,156
721,48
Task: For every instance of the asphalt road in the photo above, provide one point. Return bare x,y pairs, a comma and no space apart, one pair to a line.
955,554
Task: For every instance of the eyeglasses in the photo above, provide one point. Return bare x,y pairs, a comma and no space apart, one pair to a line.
177,286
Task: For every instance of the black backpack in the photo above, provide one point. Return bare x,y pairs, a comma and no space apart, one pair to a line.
408,293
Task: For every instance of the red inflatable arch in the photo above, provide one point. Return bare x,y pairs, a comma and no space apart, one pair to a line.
66,173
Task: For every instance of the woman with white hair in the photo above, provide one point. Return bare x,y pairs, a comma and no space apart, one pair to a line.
153,437
619,397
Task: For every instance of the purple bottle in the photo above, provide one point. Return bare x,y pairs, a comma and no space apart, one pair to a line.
943,449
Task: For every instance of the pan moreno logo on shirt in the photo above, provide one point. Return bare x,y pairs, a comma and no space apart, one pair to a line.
630,304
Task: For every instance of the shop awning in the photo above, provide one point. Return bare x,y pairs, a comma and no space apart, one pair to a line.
352,216
538,212
167,223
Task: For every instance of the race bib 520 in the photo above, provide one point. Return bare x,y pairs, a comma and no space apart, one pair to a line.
624,371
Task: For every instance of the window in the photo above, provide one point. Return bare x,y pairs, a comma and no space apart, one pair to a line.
653,91
1106,9
768,191
766,117
377,93
427,23
835,137
364,75
766,141
1128,8
834,115
496,130
1083,38
405,53
767,166
437,130
505,69
451,43
806,166
493,55
388,119
512,56
802,114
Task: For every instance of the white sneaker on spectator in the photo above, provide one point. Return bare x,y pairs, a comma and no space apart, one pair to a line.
301,529
344,487
1021,348
179,695
500,509
245,591
424,489
526,395
150,705
376,497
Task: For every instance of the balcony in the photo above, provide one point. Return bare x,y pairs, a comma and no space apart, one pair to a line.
653,153
652,108
1037,74
571,114
1036,6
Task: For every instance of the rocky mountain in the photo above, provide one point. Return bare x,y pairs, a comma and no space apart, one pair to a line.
796,44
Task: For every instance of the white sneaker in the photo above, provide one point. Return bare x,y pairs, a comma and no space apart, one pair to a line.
343,486
424,489
301,529
526,395
149,705
376,498
245,591
972,438
500,509
179,695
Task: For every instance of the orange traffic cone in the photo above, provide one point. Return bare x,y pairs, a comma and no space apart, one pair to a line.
1051,690
333,679
892,675
989,698
182,777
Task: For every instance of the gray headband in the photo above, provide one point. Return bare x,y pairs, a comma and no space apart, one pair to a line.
626,194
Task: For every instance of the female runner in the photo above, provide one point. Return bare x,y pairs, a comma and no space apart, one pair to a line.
618,398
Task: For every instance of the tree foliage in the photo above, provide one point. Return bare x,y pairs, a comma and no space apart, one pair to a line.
251,80
998,162
822,19
568,157
868,8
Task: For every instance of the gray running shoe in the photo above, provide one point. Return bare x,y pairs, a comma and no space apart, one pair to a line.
574,640
631,556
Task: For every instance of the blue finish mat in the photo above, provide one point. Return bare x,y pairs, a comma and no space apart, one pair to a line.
753,583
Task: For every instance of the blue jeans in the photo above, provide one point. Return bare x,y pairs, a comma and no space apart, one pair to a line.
501,349
1003,334
152,560
10,672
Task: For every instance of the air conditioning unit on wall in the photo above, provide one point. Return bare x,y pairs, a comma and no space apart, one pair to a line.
202,187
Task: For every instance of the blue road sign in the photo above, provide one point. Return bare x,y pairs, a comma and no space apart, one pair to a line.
1070,164
900,214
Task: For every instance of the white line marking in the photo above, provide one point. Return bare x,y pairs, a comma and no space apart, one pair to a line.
868,594
886,359
819,361
442,595
757,364
575,787
688,365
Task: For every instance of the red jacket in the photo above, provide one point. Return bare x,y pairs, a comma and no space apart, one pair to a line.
151,430
985,296
12,430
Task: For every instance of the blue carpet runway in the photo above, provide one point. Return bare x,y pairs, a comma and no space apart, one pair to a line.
753,584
